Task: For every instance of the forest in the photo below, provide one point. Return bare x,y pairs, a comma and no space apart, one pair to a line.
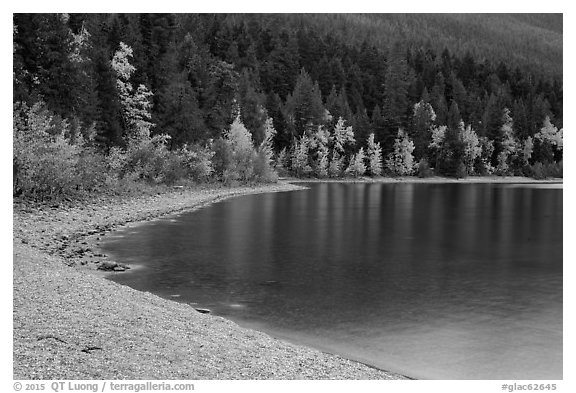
104,101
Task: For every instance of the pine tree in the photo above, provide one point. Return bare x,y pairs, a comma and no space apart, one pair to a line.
438,99
395,89
422,119
252,106
492,118
337,105
521,126
52,65
460,95
454,117
451,158
304,109
337,72
382,134
157,34
280,70
217,96
325,78
178,113
282,138
361,125
539,109
355,87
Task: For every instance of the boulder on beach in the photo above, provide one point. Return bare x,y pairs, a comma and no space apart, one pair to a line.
107,265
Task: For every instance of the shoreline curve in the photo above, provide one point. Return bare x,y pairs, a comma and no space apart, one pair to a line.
71,323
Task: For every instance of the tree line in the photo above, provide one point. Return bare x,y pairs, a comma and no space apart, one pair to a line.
184,82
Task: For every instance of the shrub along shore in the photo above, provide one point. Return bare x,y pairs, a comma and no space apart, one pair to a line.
70,323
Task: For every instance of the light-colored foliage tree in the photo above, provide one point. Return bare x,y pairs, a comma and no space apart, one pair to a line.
336,165
79,44
198,161
472,148
322,162
527,150
401,161
374,152
509,144
51,160
438,136
424,112
300,155
263,165
342,136
549,133
356,167
136,104
282,162
487,145
239,140
266,147
319,148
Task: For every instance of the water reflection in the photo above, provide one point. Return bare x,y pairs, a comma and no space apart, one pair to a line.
433,280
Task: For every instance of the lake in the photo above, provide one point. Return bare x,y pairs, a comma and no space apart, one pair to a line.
434,281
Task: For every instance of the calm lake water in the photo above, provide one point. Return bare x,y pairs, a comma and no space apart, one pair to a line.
439,281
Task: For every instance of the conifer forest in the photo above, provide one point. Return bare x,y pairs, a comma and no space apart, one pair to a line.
106,101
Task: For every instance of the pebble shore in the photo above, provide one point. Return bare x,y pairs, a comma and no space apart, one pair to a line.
70,323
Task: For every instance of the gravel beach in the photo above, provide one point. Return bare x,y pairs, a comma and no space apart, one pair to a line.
71,323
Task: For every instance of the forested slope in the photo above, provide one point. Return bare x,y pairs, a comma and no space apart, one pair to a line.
191,75
531,41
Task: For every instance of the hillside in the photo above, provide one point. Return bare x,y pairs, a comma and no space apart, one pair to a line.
526,40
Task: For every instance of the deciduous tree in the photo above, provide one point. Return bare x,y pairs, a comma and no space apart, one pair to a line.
401,161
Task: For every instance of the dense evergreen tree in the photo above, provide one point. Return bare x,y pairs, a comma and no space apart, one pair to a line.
421,131
382,133
280,70
361,126
252,106
47,68
304,110
178,113
452,155
337,105
395,105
